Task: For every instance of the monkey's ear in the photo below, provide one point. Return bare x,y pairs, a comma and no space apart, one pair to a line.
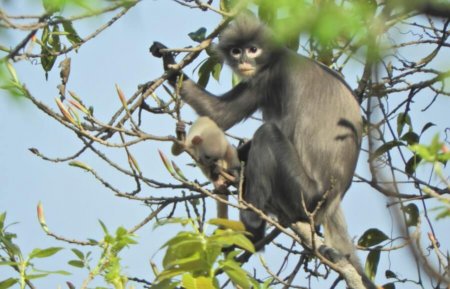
196,140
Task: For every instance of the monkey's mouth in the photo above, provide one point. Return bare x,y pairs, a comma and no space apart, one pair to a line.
247,71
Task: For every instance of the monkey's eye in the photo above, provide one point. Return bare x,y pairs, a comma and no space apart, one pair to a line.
207,159
235,51
253,51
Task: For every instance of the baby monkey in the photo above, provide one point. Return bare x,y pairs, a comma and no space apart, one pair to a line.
214,155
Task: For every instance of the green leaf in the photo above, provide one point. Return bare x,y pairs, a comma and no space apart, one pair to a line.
217,69
226,238
194,263
123,239
385,148
227,5
402,119
228,224
182,250
47,60
59,272
373,258
388,286
266,284
104,228
212,252
165,284
410,138
44,36
244,243
170,273
8,263
181,236
78,253
72,35
235,79
199,35
2,220
181,221
222,236
76,263
188,282
426,127
93,242
267,11
237,275
36,276
372,237
8,283
389,274
80,165
52,6
422,151
411,164
54,40
50,44
412,215
211,66
44,253
9,245
201,282
444,212
12,71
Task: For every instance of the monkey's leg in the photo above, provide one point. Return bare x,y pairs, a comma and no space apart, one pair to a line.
221,191
353,278
222,209
275,181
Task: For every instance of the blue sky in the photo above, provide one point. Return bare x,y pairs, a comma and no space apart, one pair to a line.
73,200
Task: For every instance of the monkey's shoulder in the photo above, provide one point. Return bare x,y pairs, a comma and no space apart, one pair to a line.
318,68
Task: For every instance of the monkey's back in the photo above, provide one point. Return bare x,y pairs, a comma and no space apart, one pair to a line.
322,118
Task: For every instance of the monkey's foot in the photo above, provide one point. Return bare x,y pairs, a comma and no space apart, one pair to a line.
331,254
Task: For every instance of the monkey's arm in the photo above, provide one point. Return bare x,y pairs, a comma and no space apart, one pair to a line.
226,110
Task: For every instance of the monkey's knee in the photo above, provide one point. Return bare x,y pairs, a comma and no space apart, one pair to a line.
331,254
263,153
266,132
254,225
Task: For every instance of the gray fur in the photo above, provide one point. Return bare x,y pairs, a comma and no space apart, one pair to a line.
309,142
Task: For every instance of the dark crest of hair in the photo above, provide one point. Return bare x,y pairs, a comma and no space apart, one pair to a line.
244,29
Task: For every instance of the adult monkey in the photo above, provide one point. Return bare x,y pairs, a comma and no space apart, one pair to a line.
306,151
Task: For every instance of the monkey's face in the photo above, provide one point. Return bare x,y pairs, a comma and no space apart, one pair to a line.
244,60
247,46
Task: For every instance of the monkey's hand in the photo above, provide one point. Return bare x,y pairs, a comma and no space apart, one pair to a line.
243,151
168,59
155,49
180,130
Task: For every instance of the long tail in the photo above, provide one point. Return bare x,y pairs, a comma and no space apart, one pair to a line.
336,237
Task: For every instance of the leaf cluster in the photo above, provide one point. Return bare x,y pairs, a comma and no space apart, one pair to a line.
12,256
197,258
